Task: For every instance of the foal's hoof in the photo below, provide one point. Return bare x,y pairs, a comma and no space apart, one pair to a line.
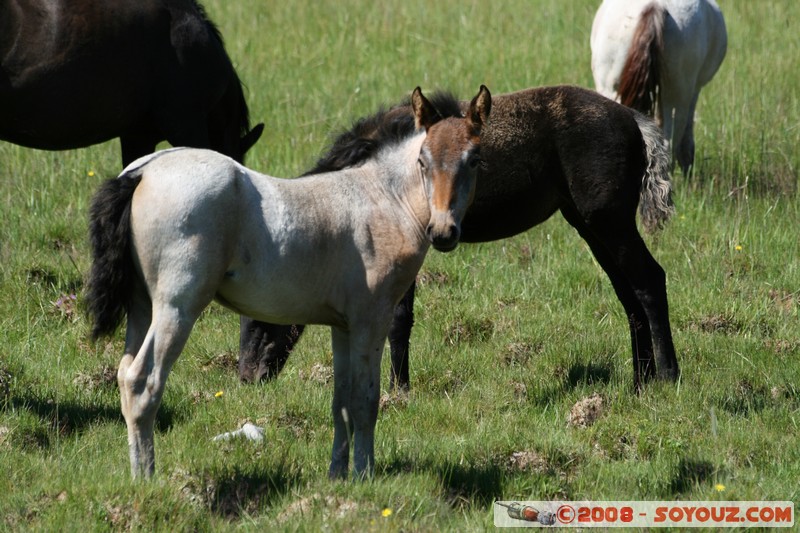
337,473
669,374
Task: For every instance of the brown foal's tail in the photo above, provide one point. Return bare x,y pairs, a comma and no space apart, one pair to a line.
640,78
110,284
655,196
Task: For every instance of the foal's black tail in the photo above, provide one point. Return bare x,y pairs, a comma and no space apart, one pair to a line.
110,283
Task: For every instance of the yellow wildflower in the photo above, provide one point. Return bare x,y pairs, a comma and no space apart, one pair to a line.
218,394
386,512
91,173
738,247
719,487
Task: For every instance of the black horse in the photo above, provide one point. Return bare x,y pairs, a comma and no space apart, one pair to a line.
79,72
544,150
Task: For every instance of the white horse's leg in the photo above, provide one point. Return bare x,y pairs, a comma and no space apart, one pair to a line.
356,394
142,379
684,151
342,419
675,106
366,350
139,317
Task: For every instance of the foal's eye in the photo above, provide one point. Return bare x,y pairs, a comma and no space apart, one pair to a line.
474,161
421,163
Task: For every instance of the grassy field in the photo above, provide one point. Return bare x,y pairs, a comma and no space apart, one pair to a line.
509,336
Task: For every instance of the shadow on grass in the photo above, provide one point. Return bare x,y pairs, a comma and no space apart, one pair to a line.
66,417
236,491
469,484
577,375
691,472
463,485
744,399
581,374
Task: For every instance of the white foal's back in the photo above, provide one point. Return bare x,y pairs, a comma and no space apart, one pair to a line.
280,250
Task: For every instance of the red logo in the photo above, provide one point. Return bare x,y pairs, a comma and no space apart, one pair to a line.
565,514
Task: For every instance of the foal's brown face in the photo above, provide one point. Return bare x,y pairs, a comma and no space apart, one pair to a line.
449,159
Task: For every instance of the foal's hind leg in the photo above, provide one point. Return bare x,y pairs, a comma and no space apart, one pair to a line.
142,379
155,336
649,283
139,318
640,284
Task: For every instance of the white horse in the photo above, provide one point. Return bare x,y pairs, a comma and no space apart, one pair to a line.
183,227
655,56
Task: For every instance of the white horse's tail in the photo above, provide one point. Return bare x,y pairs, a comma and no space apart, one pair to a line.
110,287
640,78
655,196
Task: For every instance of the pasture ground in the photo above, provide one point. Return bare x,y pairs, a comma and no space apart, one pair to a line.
509,337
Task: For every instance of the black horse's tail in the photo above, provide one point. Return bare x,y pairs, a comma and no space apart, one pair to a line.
640,78
110,284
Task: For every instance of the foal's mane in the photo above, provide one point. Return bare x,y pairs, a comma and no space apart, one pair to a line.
368,135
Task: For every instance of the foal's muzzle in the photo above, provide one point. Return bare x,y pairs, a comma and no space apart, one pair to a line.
444,239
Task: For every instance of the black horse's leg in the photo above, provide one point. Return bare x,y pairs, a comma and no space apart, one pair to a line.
264,348
640,285
134,146
649,283
399,339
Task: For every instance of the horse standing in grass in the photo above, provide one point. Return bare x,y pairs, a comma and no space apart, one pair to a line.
79,72
655,56
544,150
183,227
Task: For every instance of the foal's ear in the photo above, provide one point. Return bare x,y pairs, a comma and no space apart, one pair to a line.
425,115
479,109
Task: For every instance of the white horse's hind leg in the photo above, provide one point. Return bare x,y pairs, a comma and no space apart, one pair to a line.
676,102
684,151
139,319
142,378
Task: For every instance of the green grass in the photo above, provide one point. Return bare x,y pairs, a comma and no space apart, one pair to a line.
508,337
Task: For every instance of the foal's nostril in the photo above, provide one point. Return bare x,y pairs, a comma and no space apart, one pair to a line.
455,233
444,240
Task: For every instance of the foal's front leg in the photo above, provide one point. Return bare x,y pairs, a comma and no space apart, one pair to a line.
356,376
366,350
342,421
